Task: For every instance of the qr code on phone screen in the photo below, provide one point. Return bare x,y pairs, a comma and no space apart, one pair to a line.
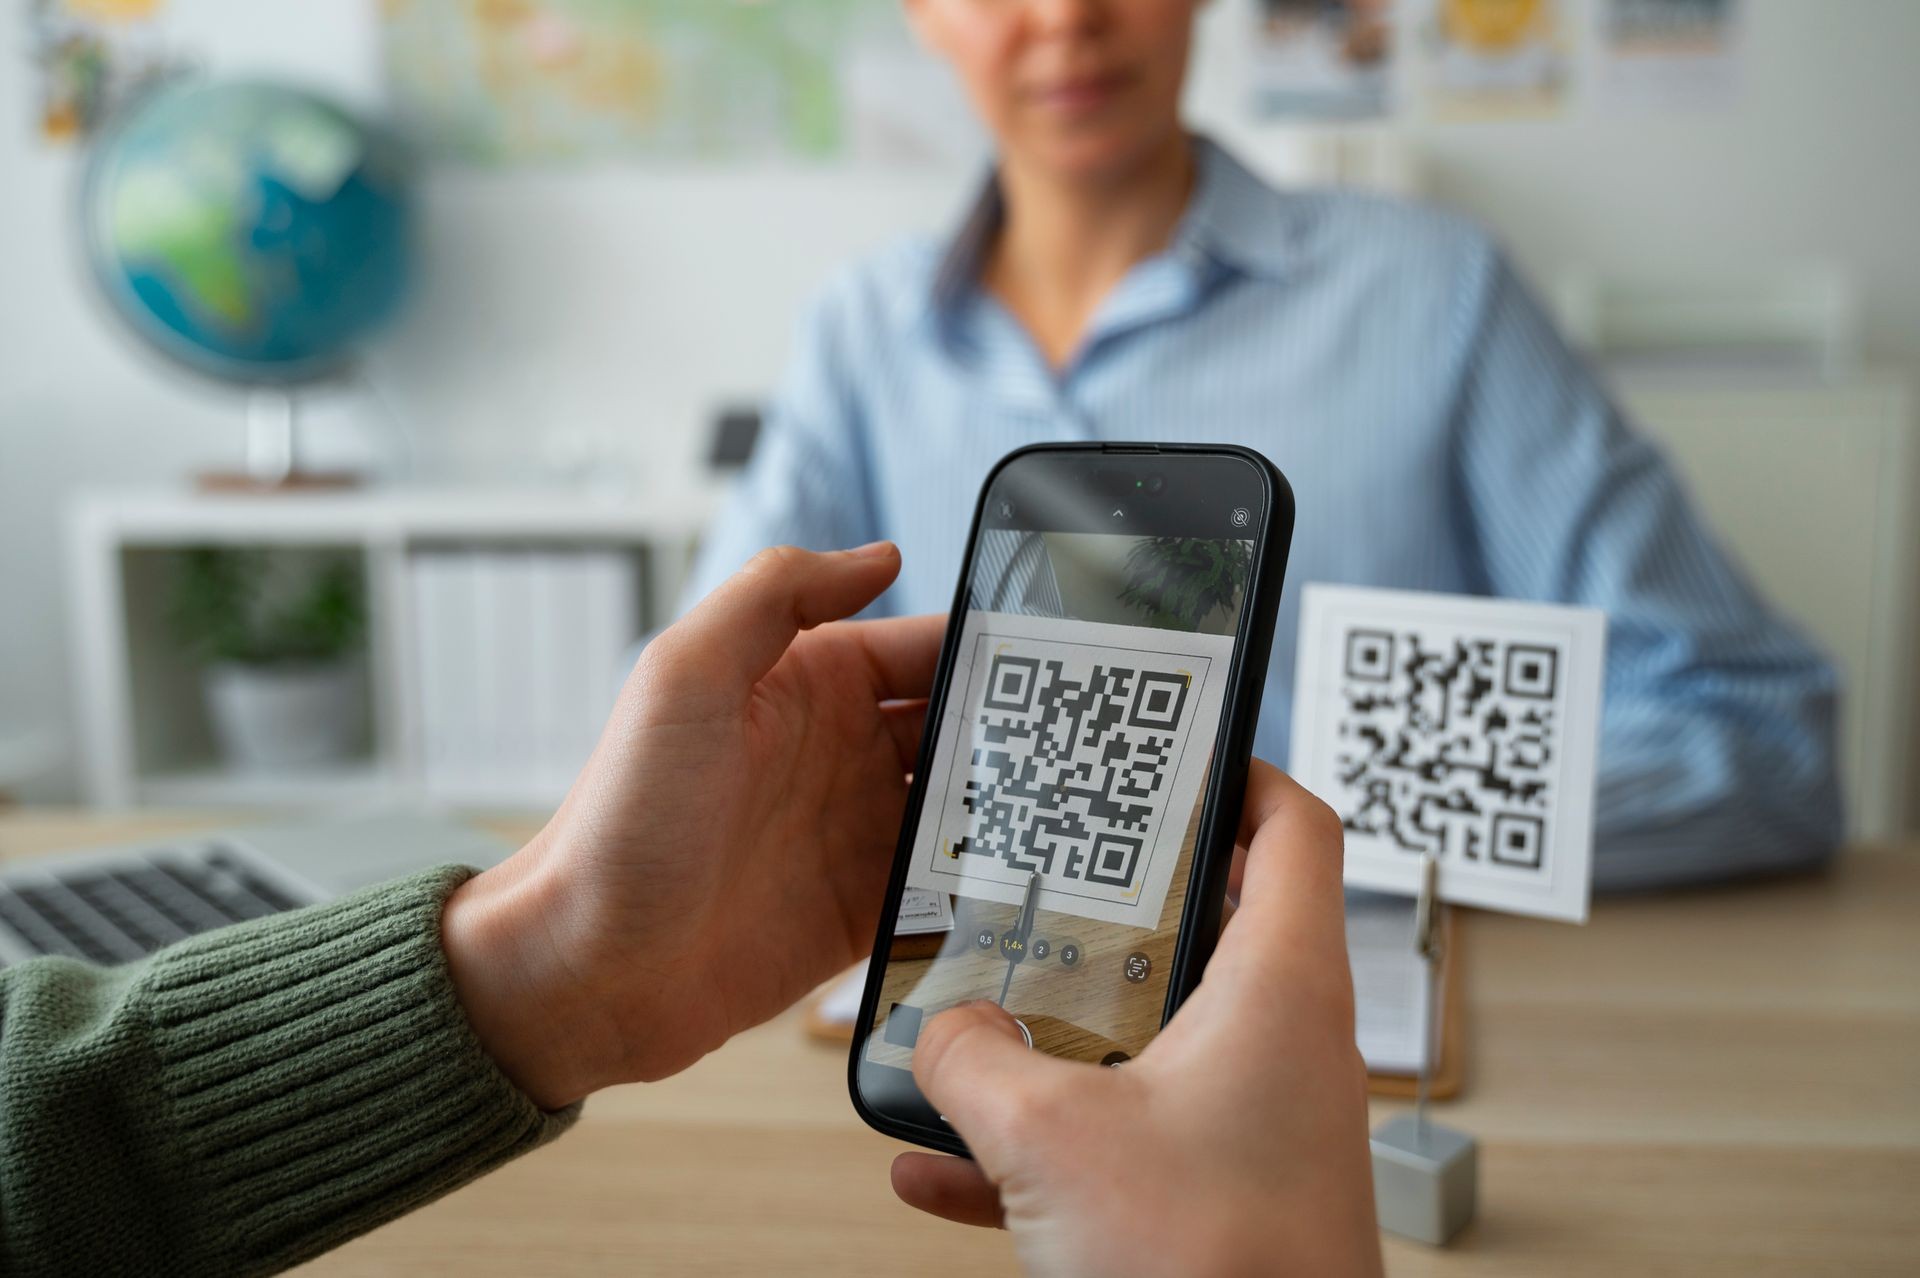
1074,750
1072,759
1449,743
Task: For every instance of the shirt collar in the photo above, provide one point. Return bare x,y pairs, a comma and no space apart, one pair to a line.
1233,219
1236,218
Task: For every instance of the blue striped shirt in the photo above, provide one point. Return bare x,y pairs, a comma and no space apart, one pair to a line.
1438,436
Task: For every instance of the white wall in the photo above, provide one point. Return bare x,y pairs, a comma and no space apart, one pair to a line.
568,314
78,404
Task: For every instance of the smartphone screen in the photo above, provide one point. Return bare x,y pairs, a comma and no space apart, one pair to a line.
1053,847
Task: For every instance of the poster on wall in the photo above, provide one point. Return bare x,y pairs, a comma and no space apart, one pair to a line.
1322,59
558,80
1667,53
89,58
1494,59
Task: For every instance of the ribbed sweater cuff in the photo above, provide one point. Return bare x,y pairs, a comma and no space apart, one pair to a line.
320,1070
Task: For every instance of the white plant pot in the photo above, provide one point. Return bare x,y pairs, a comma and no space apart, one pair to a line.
276,718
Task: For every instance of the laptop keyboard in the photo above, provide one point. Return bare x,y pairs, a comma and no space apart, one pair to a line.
117,913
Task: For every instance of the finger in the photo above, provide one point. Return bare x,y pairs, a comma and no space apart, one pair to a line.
951,1188
737,633
975,1068
903,652
906,721
1290,892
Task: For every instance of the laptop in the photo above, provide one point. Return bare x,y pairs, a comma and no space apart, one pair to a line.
120,903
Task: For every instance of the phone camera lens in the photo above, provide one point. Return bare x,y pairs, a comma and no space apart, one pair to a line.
1156,484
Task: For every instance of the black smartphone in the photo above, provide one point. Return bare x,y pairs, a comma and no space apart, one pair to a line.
1071,822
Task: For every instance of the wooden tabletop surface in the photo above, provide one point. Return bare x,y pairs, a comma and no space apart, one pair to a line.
1707,1083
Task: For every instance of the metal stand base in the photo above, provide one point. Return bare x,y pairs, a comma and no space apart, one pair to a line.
1425,1179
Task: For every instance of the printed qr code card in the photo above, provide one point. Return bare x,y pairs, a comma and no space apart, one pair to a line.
1073,749
1467,726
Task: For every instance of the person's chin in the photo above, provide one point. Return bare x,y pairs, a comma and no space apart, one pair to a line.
1095,154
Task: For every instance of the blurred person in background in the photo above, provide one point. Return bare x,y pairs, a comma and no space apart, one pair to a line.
1120,278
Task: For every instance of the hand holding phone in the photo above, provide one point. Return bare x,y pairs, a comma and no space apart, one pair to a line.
1235,1143
1077,790
725,848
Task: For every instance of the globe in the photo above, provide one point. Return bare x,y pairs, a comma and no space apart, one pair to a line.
255,233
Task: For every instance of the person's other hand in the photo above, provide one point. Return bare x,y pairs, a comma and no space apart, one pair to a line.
727,846
1236,1143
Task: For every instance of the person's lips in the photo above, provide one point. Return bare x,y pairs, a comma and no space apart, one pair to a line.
1075,95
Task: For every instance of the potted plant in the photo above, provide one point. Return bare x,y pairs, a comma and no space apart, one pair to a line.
1178,582
277,634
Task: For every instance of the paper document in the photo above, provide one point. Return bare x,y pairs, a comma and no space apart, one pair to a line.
1393,1006
922,911
840,1005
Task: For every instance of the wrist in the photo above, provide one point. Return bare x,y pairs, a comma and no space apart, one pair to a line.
519,980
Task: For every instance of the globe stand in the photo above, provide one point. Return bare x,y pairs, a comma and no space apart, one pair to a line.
271,458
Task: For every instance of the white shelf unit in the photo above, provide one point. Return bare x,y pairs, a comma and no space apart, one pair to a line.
144,737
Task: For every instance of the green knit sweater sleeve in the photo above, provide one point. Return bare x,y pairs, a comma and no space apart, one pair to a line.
246,1099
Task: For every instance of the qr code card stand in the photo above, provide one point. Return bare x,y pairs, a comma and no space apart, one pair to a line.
1075,750
1456,738
1459,726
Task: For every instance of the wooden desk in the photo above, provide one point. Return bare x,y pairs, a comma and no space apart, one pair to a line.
1721,1082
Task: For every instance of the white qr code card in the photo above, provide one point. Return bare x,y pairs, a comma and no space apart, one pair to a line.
1464,726
1073,749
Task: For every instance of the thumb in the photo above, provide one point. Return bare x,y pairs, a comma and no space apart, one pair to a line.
974,1067
737,633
